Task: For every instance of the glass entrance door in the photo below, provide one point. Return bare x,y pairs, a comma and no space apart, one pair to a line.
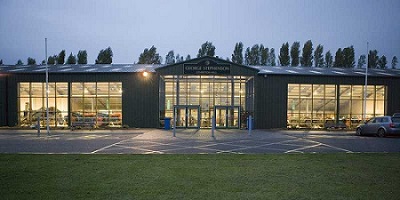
193,118
227,116
187,116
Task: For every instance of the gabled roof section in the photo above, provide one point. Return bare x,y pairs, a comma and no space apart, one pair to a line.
87,68
207,65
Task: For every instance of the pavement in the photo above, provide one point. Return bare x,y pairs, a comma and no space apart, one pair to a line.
191,141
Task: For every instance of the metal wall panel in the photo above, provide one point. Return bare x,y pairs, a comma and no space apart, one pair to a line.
140,100
3,100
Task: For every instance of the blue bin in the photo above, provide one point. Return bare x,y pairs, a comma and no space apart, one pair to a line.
252,123
167,123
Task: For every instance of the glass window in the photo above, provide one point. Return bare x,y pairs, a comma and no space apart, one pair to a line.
352,103
206,91
32,104
77,89
100,102
62,90
311,105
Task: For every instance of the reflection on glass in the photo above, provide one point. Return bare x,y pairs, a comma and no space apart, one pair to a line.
32,104
206,91
100,102
314,106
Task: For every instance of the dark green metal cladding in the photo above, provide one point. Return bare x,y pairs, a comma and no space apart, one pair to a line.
140,100
3,100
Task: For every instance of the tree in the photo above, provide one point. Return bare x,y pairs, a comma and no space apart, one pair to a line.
254,56
19,62
52,60
150,56
284,55
207,49
237,56
318,56
82,57
272,57
338,58
1,62
247,56
179,58
188,57
71,60
328,59
307,57
394,62
31,61
382,62
105,56
348,57
170,58
373,59
361,61
295,53
263,55
61,57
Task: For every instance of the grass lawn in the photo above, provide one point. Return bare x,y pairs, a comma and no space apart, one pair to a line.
215,176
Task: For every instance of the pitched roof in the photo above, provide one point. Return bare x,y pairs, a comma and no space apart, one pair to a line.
88,68
131,68
318,71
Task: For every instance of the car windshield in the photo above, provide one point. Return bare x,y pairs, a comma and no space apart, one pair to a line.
396,119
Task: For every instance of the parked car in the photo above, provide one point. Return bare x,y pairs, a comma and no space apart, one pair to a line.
380,126
396,115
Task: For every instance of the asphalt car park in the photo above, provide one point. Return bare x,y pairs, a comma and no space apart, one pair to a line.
192,141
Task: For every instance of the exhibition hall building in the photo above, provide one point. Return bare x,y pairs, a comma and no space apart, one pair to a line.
193,94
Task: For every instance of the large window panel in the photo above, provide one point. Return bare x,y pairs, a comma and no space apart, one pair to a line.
32,103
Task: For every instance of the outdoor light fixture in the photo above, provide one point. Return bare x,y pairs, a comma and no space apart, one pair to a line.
145,74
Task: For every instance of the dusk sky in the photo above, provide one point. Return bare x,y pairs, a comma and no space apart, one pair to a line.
129,27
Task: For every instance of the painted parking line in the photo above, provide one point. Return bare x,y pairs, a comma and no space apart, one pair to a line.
109,146
299,150
292,145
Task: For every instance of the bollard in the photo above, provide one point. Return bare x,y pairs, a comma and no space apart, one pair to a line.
212,126
250,124
174,133
38,126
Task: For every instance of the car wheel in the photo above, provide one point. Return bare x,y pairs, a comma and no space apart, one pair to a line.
381,132
358,131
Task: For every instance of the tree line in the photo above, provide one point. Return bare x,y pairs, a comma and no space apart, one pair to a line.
258,54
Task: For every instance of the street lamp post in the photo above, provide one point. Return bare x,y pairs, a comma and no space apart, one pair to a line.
47,91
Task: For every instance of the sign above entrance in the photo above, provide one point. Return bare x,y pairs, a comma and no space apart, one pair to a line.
206,67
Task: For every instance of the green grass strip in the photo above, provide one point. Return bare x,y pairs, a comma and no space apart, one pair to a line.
214,176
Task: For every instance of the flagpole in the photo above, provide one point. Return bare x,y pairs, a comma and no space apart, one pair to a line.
365,88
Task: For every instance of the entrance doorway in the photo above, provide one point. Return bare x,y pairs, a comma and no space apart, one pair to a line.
187,116
227,116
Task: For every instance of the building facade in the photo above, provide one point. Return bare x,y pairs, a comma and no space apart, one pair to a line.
194,91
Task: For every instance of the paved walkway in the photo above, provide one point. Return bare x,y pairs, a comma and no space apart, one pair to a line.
190,141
